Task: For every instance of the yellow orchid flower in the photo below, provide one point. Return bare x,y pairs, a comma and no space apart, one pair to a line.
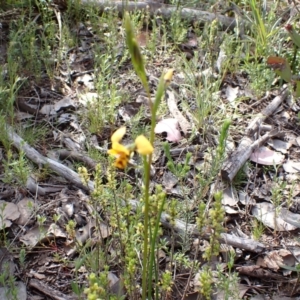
122,161
118,150
168,77
118,134
143,146
122,153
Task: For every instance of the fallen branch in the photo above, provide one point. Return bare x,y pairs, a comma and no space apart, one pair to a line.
266,112
261,273
41,160
75,156
179,227
49,291
182,228
248,143
166,11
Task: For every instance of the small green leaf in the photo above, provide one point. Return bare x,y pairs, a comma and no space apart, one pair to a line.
285,73
76,288
281,67
294,269
293,34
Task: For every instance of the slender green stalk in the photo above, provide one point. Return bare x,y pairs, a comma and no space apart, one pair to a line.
152,249
147,165
159,94
138,64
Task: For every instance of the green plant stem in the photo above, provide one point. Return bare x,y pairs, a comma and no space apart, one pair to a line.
147,165
152,249
293,66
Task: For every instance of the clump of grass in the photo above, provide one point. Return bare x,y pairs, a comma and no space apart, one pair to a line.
258,229
16,170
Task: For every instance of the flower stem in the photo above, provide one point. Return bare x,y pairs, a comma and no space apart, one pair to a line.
147,164
147,277
152,248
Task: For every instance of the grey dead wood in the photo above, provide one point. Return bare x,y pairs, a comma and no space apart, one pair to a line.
179,226
75,156
197,150
41,160
242,243
259,272
163,10
33,186
49,291
249,142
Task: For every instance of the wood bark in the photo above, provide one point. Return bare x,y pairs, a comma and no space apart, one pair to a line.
163,10
181,229
49,291
75,156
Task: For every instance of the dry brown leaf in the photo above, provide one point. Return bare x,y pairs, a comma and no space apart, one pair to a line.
34,235
231,94
143,38
290,217
37,275
276,259
115,284
170,126
169,180
230,196
267,157
9,213
86,231
89,97
258,272
266,213
7,265
291,166
26,207
229,210
55,231
176,113
52,109
280,145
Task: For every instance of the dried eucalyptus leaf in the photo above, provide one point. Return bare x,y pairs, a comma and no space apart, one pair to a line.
9,212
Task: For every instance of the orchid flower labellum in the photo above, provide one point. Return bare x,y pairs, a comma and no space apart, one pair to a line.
122,153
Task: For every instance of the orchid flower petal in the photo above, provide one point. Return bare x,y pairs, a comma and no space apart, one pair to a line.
143,146
118,135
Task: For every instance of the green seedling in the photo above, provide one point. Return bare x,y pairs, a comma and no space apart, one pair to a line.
293,35
281,67
178,169
294,269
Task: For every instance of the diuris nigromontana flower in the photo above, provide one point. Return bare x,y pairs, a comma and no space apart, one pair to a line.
122,153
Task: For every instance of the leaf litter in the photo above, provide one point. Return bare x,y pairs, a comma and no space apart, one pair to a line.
77,81
171,127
